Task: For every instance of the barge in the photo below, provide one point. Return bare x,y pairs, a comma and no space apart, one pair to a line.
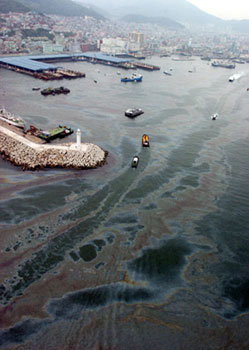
60,131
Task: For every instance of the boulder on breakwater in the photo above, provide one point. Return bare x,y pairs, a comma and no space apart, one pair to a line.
31,156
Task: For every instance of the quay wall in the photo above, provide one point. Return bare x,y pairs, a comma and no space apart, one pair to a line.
31,156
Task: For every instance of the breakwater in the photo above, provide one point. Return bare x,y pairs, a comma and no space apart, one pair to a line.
30,155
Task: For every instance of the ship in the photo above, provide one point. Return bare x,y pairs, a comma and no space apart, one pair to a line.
60,131
134,162
54,91
133,112
11,118
145,141
134,77
223,64
166,73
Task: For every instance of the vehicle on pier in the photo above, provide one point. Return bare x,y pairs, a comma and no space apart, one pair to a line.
11,119
54,91
133,112
145,141
134,77
134,162
60,131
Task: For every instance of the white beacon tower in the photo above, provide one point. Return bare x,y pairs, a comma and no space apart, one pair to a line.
78,138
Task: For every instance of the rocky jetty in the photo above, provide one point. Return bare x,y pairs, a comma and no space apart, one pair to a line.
30,155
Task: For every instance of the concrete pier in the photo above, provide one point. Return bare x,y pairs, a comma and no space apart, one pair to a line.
30,155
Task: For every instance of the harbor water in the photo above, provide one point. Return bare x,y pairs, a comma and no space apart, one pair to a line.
130,258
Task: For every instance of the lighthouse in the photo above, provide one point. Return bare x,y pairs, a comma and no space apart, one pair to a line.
78,138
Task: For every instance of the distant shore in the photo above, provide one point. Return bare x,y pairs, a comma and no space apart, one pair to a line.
30,155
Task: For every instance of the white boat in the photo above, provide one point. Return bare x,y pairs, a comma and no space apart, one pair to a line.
214,116
11,118
134,162
133,112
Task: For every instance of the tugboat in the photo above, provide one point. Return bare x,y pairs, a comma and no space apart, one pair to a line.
145,141
214,116
11,118
134,77
133,112
134,162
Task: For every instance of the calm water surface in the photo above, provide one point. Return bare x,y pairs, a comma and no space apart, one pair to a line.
122,258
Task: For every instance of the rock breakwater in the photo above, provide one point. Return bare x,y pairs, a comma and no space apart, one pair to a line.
29,155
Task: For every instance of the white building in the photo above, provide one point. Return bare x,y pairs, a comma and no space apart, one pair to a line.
113,46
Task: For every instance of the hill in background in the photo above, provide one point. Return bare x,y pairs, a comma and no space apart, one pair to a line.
52,7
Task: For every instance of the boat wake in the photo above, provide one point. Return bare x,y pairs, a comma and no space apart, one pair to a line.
236,76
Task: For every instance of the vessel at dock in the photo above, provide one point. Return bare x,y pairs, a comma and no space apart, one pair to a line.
60,131
146,66
11,118
223,64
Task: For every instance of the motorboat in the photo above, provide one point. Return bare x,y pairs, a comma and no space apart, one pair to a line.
145,141
214,116
134,162
133,112
134,77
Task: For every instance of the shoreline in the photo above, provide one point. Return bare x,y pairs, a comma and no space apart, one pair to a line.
30,155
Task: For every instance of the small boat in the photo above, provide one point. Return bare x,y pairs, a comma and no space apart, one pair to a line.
145,141
133,112
134,77
214,116
247,89
166,73
35,88
134,162
118,72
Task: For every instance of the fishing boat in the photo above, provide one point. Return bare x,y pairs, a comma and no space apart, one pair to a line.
145,141
133,112
134,77
134,162
214,116
11,118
